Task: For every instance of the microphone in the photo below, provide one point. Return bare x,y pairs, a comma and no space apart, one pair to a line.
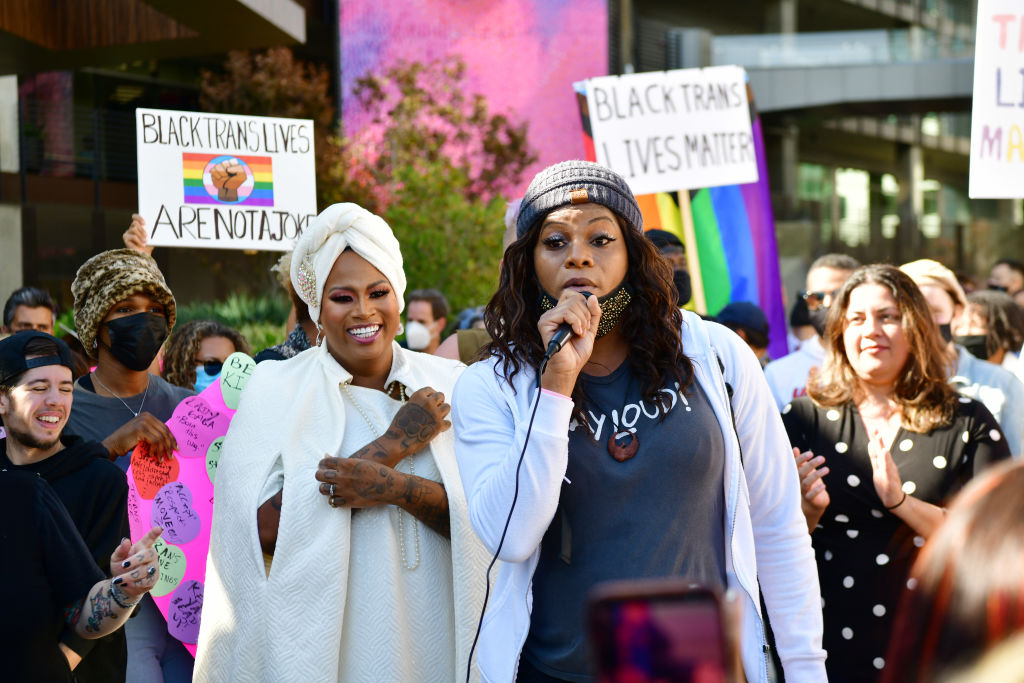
561,335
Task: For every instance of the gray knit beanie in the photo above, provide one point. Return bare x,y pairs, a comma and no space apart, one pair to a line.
577,182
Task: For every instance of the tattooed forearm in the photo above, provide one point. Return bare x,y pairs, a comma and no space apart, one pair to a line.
100,607
72,613
377,452
428,502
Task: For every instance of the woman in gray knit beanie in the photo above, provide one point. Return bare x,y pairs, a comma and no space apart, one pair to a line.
616,457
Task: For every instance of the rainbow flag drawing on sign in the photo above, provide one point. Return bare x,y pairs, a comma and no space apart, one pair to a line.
729,234
227,179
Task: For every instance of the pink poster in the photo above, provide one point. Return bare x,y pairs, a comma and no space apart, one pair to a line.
177,494
522,55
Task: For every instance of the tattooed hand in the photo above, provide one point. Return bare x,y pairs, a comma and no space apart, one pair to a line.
418,422
134,567
357,483
363,483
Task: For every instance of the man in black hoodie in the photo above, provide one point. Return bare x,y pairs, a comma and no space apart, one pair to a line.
35,401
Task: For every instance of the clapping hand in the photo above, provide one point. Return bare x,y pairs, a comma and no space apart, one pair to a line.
814,494
888,484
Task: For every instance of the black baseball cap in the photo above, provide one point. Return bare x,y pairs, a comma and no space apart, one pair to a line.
663,238
744,314
12,355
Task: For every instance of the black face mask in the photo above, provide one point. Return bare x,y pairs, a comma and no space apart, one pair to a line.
799,315
681,279
817,318
976,344
946,331
135,339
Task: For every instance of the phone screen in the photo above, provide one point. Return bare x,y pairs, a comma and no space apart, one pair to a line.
672,637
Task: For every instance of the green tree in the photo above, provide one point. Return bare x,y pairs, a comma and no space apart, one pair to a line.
448,241
430,158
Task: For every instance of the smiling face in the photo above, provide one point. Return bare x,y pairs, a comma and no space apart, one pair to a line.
359,316
582,248
36,409
873,336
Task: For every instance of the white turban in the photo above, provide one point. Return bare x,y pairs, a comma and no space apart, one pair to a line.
340,227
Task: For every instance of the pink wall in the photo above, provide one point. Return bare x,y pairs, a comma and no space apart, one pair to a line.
522,55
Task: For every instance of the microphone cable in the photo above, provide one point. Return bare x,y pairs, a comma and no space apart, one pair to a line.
508,520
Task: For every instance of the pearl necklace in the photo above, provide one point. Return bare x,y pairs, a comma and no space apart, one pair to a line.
412,472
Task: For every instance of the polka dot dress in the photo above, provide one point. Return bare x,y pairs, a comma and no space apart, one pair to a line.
863,551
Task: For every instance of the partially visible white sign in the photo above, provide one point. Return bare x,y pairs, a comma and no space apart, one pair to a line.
225,181
674,130
997,116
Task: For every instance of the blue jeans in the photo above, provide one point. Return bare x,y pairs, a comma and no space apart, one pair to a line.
154,656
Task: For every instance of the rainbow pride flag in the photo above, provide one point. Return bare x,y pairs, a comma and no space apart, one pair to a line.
256,190
729,233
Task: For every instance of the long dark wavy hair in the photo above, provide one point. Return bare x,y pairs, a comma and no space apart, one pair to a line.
650,324
925,398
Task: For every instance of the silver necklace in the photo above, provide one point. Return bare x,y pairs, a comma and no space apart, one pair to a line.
144,394
412,472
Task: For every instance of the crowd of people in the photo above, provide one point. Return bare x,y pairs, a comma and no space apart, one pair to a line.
395,504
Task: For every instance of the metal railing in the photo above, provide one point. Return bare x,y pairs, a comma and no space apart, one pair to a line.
836,48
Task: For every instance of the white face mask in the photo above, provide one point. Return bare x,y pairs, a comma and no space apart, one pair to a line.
417,336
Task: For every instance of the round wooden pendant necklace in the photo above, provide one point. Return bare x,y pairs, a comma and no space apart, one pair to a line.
623,443
623,452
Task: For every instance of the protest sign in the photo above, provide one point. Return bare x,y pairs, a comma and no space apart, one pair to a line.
997,129
224,181
670,130
177,494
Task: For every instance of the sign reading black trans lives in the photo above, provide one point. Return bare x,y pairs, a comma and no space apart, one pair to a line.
224,181
674,130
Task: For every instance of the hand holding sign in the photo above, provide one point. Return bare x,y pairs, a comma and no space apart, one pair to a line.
149,474
228,176
142,428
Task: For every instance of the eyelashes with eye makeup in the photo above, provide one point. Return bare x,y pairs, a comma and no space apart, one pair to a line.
346,298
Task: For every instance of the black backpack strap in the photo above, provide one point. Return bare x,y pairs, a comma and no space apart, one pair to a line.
729,392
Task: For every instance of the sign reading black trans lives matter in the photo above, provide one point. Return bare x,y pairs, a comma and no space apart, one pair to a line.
224,181
673,130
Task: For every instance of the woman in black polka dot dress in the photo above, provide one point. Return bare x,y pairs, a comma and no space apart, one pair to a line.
881,443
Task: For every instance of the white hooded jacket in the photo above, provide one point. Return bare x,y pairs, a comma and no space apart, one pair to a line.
766,533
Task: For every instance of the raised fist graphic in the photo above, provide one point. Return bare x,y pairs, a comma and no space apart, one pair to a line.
227,177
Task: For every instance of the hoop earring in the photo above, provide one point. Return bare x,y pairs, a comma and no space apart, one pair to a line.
319,335
401,329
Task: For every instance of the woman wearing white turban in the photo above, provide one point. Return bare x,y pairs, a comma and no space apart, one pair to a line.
339,465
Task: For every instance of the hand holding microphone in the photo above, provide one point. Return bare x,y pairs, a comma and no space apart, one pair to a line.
568,331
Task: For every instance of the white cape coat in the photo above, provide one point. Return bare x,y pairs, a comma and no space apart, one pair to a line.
287,626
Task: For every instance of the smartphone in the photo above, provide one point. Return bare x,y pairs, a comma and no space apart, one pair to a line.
658,631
